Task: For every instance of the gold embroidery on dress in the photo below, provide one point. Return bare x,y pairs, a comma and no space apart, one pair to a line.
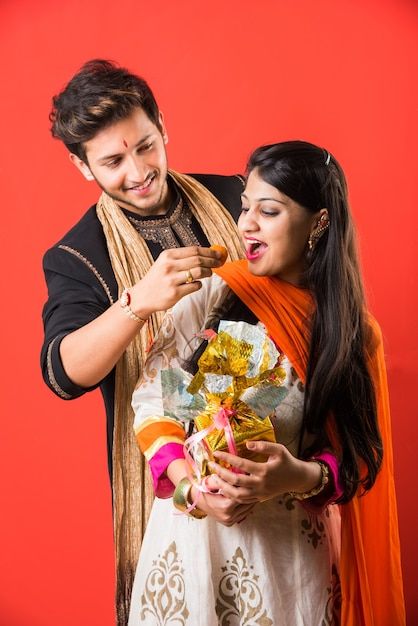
332,615
287,501
314,530
103,283
51,374
161,230
312,527
163,600
240,595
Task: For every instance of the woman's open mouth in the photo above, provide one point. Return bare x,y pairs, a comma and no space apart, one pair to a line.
254,249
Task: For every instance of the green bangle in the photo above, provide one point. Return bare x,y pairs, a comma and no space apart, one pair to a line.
181,499
316,490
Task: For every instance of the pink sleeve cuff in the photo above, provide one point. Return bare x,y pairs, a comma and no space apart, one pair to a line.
163,486
333,489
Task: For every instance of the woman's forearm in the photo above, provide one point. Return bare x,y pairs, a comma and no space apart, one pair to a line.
176,471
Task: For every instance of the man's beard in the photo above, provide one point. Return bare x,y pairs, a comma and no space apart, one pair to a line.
151,210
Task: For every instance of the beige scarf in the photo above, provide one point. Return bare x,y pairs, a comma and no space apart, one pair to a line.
132,488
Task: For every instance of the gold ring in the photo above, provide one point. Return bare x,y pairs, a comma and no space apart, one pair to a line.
189,277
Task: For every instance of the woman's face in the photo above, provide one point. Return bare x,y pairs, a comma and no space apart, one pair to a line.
275,230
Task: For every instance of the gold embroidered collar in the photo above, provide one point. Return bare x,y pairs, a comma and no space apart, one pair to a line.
172,230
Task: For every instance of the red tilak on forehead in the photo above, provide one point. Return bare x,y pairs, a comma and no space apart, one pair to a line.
125,143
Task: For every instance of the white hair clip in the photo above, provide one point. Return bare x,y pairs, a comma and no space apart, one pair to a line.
328,159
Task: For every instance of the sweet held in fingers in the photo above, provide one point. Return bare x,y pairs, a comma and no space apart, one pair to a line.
222,251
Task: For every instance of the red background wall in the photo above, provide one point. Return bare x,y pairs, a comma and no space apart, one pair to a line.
228,76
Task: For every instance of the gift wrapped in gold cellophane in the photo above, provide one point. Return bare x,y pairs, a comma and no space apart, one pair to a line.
232,396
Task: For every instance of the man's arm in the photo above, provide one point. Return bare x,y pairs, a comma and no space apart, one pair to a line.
85,337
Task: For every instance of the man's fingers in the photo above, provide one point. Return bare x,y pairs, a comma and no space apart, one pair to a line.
180,266
204,255
194,264
185,288
192,275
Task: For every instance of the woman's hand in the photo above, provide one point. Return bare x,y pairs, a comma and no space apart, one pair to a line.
282,472
221,508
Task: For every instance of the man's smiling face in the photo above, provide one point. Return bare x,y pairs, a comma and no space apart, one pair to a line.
128,160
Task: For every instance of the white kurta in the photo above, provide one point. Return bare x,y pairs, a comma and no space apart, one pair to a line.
277,567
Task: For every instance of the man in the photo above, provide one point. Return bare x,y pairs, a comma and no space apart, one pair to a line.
105,294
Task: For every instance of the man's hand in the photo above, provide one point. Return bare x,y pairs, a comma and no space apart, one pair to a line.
176,273
89,353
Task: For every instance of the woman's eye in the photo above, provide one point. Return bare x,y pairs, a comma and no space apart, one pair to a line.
244,209
269,213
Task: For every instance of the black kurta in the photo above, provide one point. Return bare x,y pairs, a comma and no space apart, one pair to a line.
82,285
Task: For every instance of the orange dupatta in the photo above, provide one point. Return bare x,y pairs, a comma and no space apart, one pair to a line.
370,567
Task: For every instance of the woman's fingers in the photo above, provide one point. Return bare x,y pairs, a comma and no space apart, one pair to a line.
242,512
244,465
239,514
211,483
266,447
234,487
243,478
225,510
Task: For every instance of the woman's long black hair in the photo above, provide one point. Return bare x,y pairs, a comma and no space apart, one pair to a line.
338,383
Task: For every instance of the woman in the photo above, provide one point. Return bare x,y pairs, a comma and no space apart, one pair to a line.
271,546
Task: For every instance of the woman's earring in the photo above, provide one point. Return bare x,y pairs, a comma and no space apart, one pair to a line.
318,231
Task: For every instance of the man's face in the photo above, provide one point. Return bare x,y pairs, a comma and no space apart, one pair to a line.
128,160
